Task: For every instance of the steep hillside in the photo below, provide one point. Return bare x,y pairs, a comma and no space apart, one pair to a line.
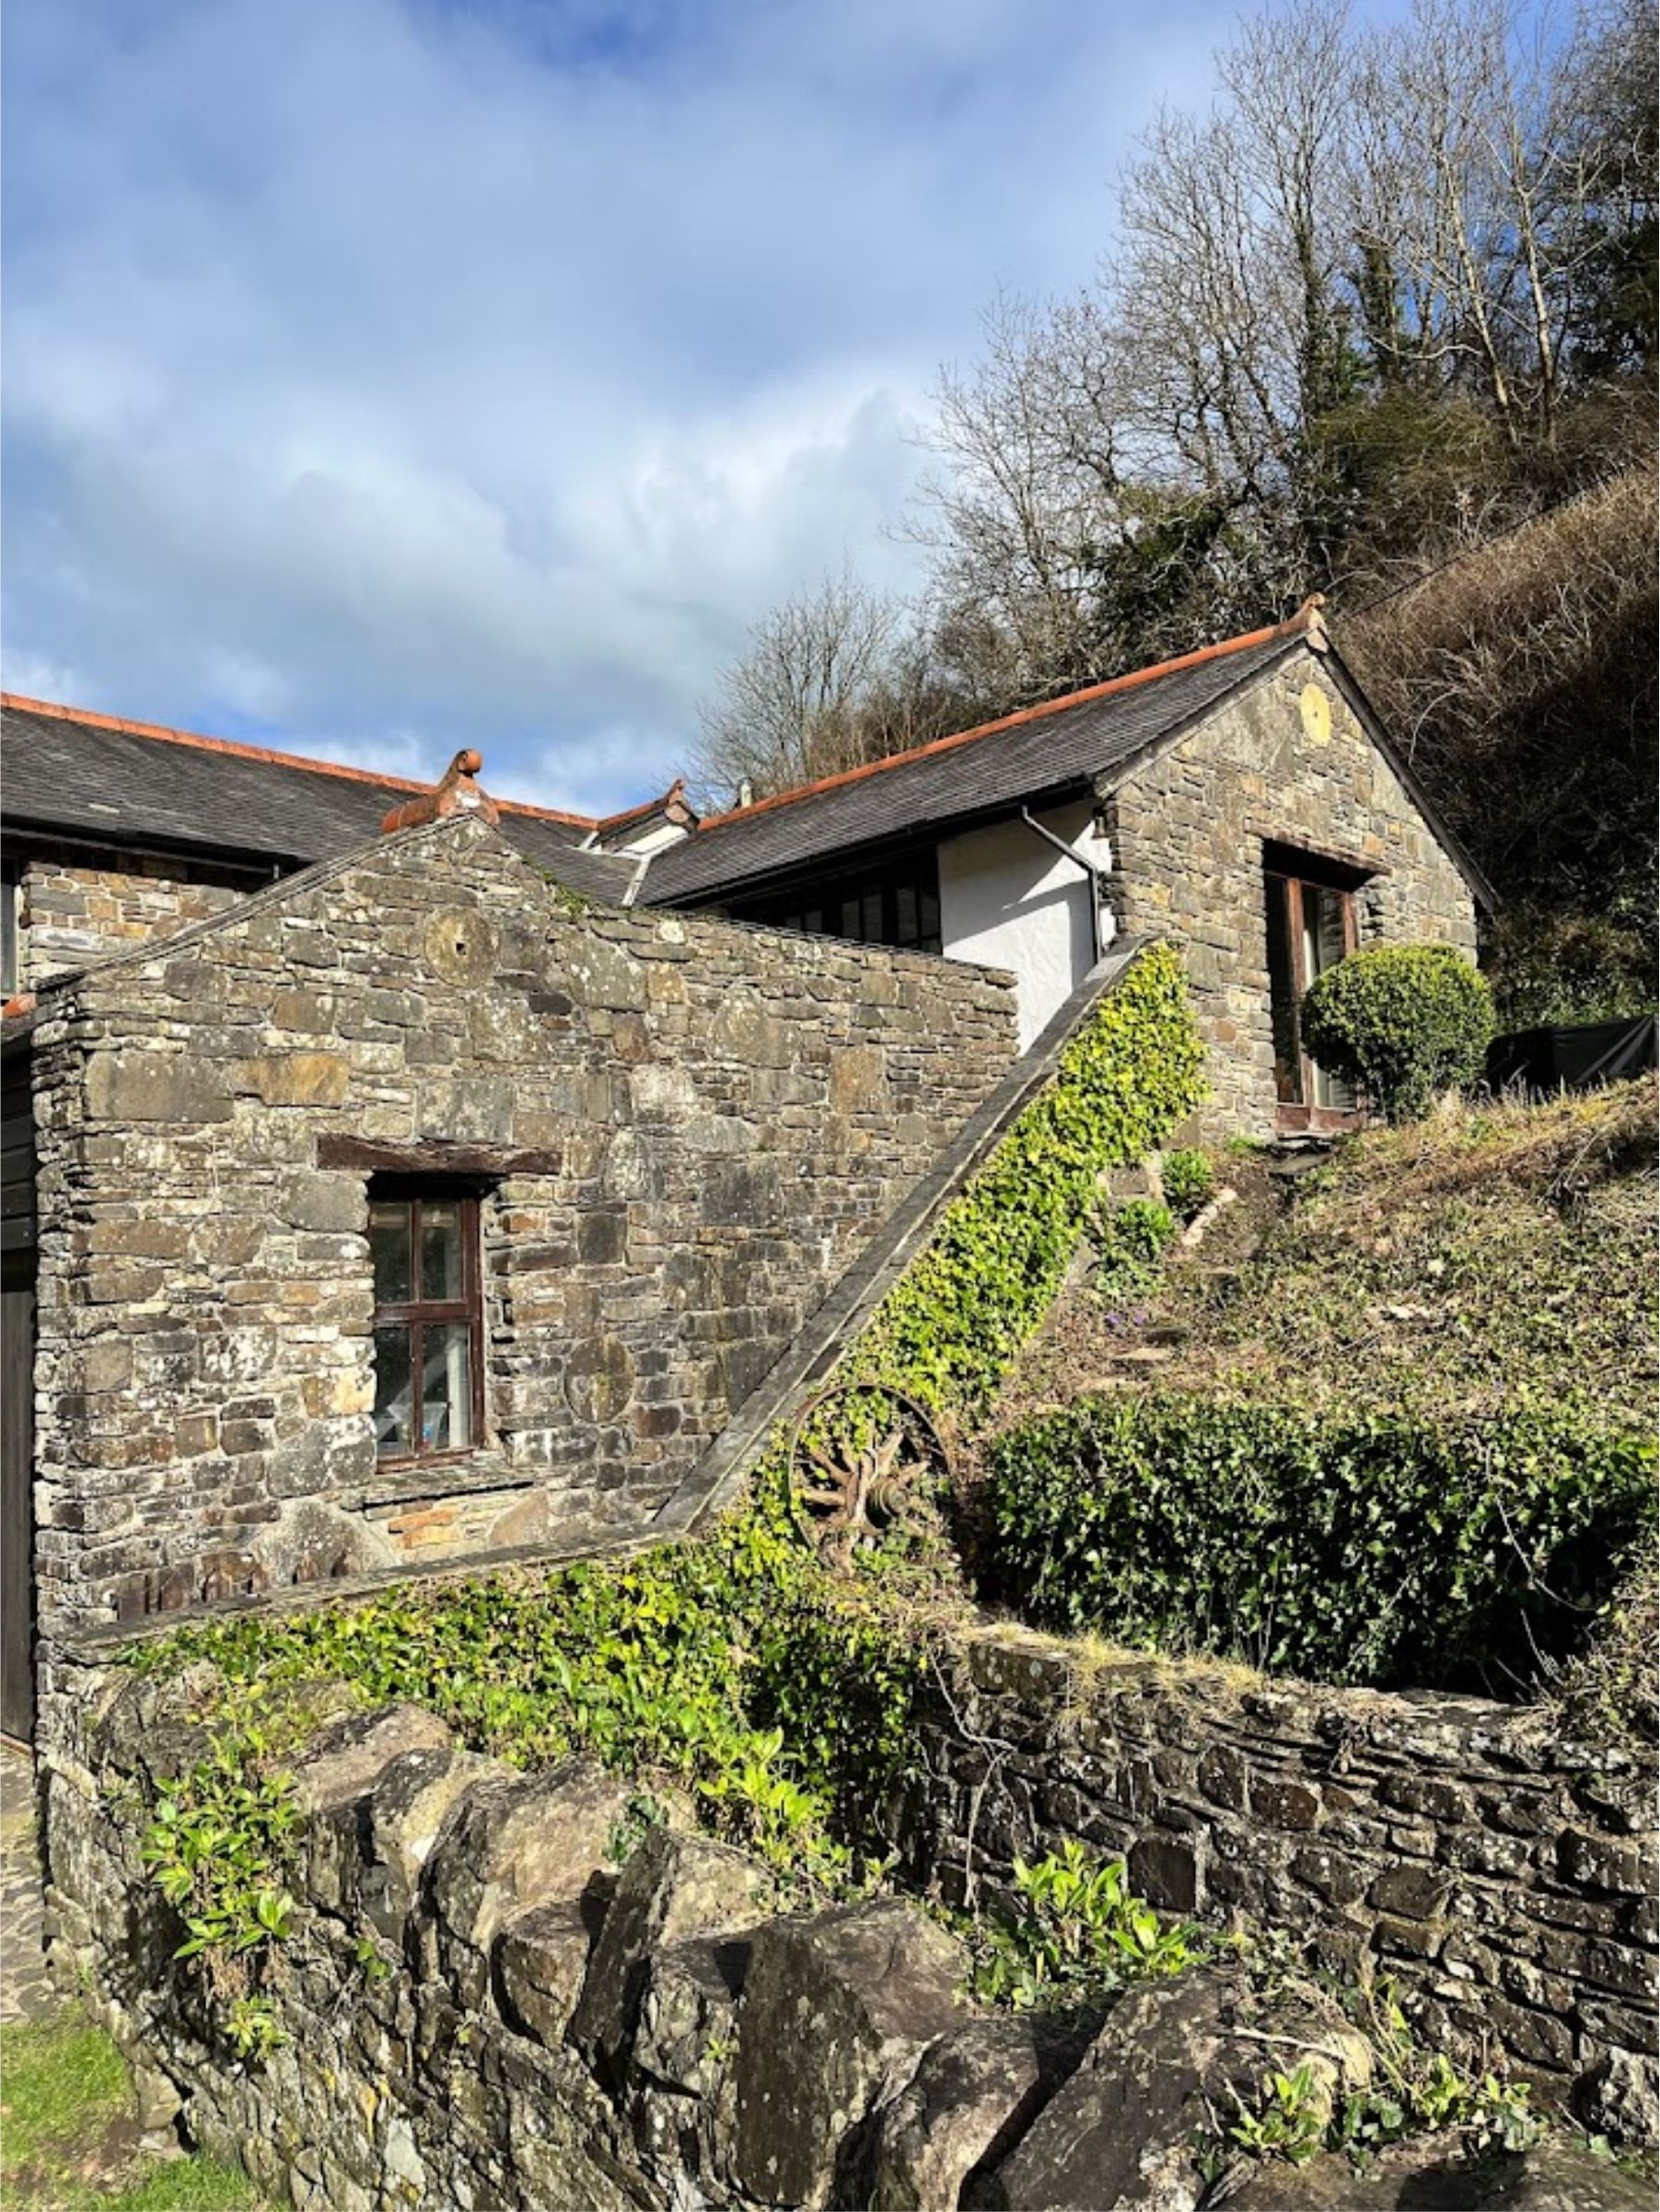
1392,1422
1457,1265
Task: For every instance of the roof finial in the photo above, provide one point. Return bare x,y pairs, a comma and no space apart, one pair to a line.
454,793
1311,619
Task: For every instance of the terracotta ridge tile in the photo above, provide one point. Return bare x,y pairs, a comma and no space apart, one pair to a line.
266,755
646,806
1296,624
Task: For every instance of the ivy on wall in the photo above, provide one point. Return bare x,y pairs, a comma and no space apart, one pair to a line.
947,1333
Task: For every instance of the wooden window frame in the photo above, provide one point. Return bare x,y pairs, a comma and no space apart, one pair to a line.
1302,1115
416,1313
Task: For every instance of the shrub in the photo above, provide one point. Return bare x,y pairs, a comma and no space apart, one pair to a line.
1130,1238
1189,1182
1346,1546
1401,1023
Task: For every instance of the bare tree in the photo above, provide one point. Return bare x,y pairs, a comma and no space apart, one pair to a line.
829,680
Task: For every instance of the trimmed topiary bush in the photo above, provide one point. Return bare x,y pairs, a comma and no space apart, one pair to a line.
1401,1023
1346,1546
1189,1182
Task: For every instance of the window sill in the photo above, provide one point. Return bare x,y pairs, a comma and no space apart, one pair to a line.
474,1472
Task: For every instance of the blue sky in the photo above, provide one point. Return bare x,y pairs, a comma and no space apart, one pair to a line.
382,376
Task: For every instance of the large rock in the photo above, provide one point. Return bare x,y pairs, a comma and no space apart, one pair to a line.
512,1842
334,1781
401,1825
682,2096
1119,2135
541,1958
975,2093
837,2011
672,1886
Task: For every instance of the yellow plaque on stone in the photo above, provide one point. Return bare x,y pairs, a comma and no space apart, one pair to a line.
1316,714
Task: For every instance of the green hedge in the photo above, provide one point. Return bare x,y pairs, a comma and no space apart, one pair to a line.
948,1332
1402,1023
1345,1546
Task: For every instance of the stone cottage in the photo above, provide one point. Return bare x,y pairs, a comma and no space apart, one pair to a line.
375,1198
415,1207
1242,800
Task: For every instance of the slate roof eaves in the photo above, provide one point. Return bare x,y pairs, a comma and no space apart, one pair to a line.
1041,754
133,784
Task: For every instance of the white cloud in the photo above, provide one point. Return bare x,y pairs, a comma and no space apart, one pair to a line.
483,372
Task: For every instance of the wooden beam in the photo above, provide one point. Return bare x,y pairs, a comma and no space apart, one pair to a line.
433,1156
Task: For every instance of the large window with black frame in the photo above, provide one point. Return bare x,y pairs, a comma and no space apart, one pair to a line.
429,1380
1311,926
897,903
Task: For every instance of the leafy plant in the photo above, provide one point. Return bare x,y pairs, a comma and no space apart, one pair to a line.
1288,2120
252,2026
218,1848
1401,1023
1074,1932
1343,1545
1190,1180
736,1668
1129,1239
948,1332
1415,2091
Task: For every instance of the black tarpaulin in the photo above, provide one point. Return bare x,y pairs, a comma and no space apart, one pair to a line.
1579,1057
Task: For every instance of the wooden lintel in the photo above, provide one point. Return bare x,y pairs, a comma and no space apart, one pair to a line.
433,1156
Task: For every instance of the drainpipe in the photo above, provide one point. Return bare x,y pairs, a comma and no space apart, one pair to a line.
1103,922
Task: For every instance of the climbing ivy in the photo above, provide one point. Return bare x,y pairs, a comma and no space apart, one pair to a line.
948,1333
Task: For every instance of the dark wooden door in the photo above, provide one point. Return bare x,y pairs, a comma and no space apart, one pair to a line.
16,1505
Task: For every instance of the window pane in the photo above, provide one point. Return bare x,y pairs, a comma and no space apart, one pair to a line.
928,936
394,1395
870,920
389,1244
441,1248
906,928
1325,942
446,1387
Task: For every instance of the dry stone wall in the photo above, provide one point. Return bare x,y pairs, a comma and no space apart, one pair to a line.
1188,833
497,1992
500,1989
1504,1877
681,1131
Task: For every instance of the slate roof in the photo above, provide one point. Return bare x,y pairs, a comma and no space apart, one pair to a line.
1041,755
135,784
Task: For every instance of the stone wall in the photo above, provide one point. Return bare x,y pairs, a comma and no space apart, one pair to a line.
498,1990
1188,832
503,1989
73,910
683,1131
1502,1876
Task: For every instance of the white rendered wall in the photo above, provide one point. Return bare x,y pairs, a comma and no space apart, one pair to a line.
1011,900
